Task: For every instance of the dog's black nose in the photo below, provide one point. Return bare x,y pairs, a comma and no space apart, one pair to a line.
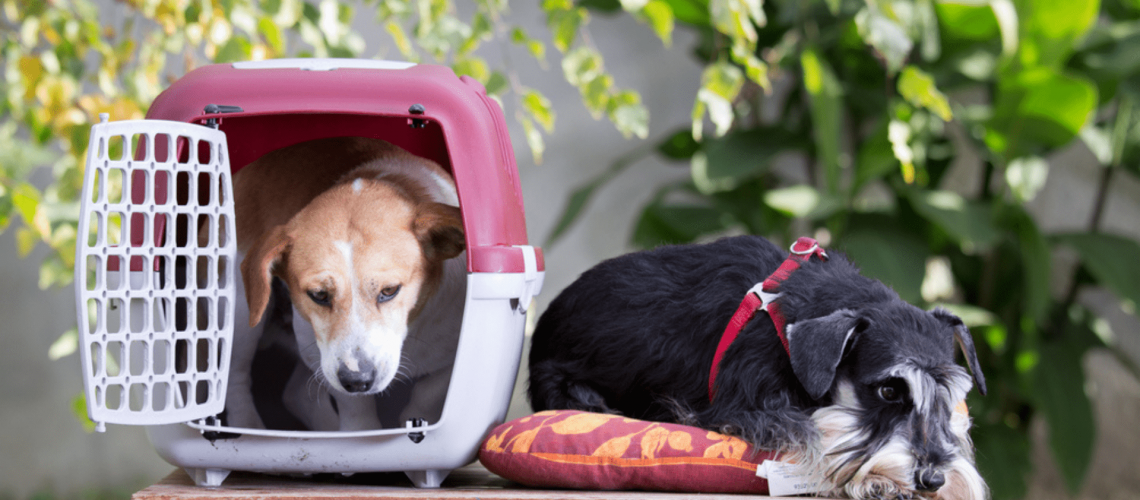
357,380
929,479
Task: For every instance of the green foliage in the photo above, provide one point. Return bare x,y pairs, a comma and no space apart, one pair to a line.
875,86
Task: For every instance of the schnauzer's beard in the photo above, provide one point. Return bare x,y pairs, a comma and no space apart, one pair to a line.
859,465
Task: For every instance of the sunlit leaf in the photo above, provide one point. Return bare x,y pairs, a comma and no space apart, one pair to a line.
539,108
888,38
1026,176
720,84
65,345
660,17
1037,108
236,49
563,24
1048,28
628,114
919,89
796,201
533,139
79,411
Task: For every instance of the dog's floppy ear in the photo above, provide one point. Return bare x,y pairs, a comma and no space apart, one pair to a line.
816,347
257,270
439,229
966,343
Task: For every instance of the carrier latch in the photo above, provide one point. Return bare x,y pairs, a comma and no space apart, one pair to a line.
413,423
530,276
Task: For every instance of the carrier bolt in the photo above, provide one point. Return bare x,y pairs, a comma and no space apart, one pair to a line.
417,109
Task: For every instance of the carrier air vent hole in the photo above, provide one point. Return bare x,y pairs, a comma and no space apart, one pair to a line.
223,180
162,356
223,313
140,223
203,314
116,267
115,229
140,186
205,270
204,355
160,397
114,358
94,228
181,271
203,392
223,355
205,152
204,185
223,232
114,397
139,147
182,356
223,271
95,272
162,186
116,313
183,182
183,230
162,147
139,357
138,397
97,184
204,236
161,315
183,149
96,358
183,394
140,272
99,397
183,308
139,315
94,315
160,229
114,186
115,148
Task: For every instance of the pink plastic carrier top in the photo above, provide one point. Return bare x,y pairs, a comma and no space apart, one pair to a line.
455,124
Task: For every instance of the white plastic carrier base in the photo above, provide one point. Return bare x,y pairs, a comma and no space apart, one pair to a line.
142,366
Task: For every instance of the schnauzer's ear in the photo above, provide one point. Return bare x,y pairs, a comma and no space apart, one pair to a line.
816,346
966,343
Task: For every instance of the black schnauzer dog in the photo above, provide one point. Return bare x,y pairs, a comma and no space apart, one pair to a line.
859,387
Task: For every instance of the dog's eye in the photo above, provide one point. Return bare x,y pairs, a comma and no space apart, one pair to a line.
387,293
889,393
321,297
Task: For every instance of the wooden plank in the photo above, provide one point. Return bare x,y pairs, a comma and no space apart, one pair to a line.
471,482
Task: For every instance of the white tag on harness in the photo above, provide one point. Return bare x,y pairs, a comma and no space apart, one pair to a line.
786,479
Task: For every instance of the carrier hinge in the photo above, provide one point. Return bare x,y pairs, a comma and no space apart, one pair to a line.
215,109
413,423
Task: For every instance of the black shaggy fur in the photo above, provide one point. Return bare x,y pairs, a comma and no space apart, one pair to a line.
637,334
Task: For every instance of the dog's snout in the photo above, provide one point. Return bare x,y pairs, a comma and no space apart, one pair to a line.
929,479
359,380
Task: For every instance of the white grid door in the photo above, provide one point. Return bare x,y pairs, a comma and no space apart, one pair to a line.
154,272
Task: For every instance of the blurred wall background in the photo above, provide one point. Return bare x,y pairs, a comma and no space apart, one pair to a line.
44,449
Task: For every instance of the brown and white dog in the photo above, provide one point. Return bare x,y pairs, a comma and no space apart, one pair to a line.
368,240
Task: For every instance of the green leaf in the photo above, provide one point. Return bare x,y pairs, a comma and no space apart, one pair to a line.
533,139
628,114
1049,28
539,108
1113,260
581,66
674,224
737,19
679,146
1039,108
972,316
236,49
720,84
1026,176
65,345
79,411
581,196
272,34
883,34
660,17
795,201
918,88
1036,262
967,21
535,47
26,240
563,24
1003,459
969,223
694,12
888,253
744,153
496,84
875,159
1059,388
825,94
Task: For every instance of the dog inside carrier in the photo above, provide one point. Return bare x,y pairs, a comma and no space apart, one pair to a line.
306,266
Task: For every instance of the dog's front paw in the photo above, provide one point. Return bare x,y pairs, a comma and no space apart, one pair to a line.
877,488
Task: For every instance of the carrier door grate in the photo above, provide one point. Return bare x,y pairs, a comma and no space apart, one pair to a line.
154,272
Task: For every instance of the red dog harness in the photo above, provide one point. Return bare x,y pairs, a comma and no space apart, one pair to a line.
762,297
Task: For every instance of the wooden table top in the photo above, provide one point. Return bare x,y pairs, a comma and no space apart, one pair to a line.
471,482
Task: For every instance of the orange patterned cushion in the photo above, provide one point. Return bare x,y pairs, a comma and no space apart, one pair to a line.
574,449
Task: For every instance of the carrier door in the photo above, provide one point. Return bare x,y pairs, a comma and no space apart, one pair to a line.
154,272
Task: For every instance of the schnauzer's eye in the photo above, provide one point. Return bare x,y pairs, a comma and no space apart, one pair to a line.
890,393
387,293
321,297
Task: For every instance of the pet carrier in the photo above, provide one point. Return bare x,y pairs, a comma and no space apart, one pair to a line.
156,303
